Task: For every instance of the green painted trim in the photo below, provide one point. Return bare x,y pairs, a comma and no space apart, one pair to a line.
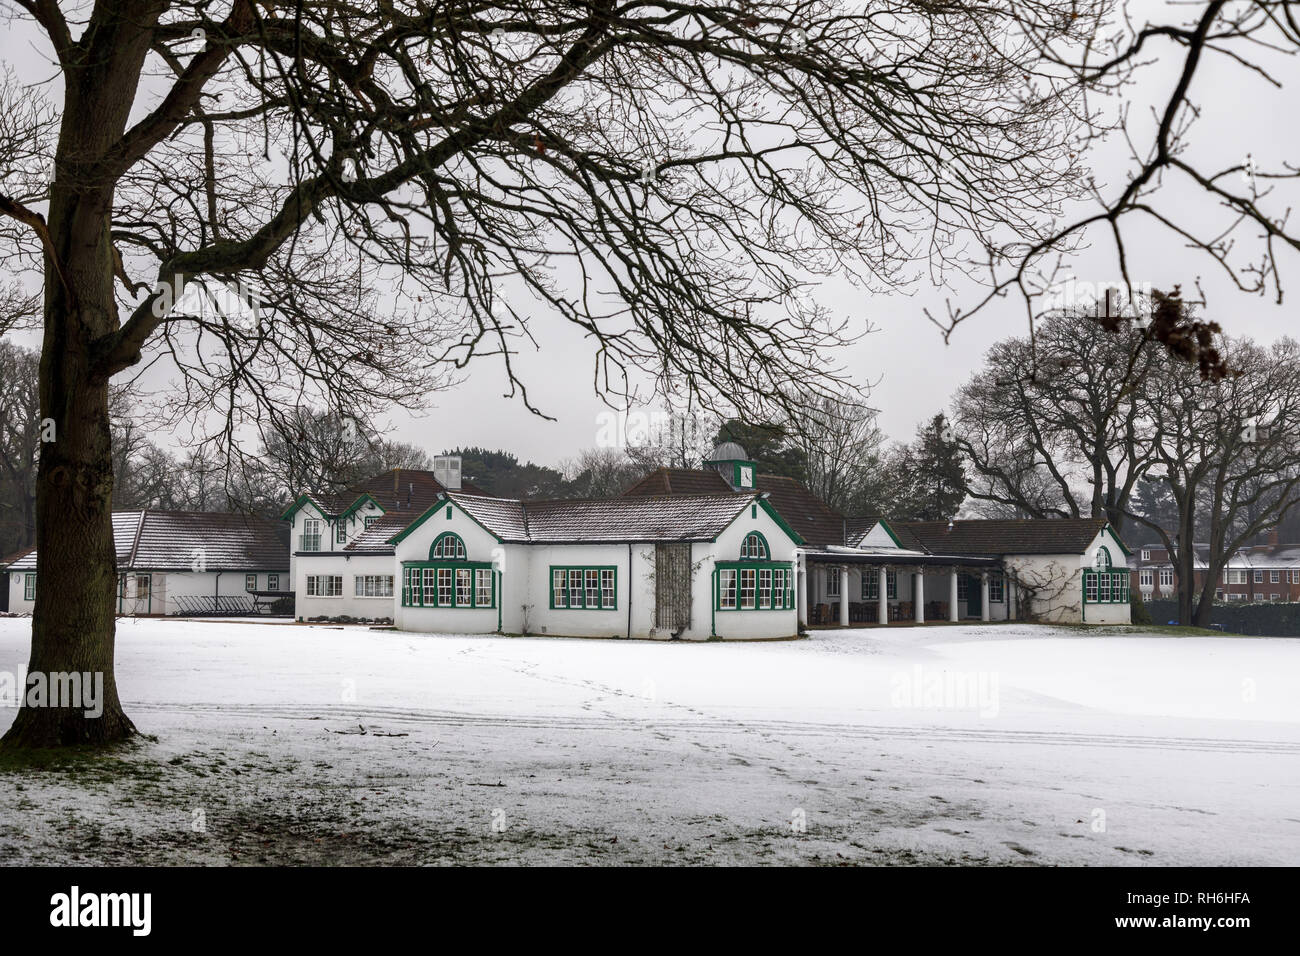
1123,576
361,500
443,537
767,548
1119,541
787,591
431,511
566,568
302,500
890,531
406,596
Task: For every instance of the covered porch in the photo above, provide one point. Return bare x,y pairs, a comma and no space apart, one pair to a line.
854,589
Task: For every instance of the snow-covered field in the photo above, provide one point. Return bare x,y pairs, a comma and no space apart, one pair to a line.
1001,744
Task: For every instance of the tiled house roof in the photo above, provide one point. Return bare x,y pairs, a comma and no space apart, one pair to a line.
639,518
175,540
818,523
811,518
991,537
680,481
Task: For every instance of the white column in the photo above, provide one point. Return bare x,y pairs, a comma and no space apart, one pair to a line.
1013,600
801,593
918,597
984,596
844,596
882,599
953,614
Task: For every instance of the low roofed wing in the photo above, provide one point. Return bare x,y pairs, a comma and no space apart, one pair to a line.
225,542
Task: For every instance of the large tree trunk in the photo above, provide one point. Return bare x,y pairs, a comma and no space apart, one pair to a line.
73,626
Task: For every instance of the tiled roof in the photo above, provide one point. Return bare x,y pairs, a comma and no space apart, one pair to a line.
817,523
638,518
811,518
374,539
1023,536
680,481
175,540
403,489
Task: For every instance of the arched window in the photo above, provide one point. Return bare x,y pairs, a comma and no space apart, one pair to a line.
754,547
447,547
1102,560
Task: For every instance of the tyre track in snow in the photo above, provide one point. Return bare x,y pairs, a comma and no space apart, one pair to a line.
349,714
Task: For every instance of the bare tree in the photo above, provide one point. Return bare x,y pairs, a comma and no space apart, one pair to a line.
397,189
1228,453
840,443
1236,214
1050,428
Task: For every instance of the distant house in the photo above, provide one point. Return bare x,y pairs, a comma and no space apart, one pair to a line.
1256,573
181,562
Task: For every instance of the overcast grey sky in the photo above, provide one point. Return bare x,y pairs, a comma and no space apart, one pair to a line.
905,362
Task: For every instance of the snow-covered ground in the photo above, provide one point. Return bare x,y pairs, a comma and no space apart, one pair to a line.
997,744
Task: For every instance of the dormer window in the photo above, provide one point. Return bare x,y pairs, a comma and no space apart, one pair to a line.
754,547
447,547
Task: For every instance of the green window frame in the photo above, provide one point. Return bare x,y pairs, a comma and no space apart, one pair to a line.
1105,587
584,587
891,585
465,585
754,548
747,585
870,585
29,586
997,589
447,542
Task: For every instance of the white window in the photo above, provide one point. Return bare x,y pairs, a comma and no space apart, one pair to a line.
1235,576
753,547
891,585
371,519
464,587
273,582
1274,577
1259,576
29,586
765,588
1145,579
727,589
747,588
559,593
833,582
250,582
373,585
1259,596
607,597
870,585
309,540
1166,578
1275,596
324,585
340,533
1146,555
444,587
996,589
483,587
